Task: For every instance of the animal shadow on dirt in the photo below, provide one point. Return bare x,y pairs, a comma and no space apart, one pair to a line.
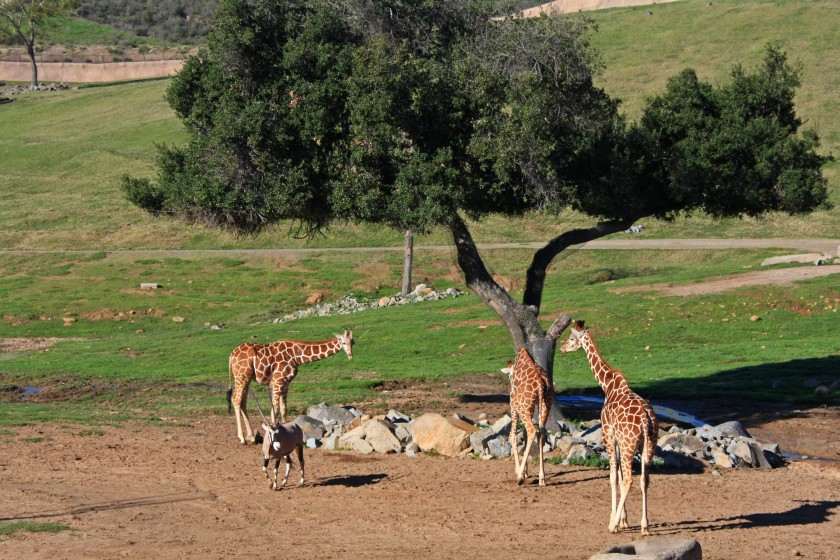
352,480
809,513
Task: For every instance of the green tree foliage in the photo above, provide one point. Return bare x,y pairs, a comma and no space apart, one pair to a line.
25,19
417,113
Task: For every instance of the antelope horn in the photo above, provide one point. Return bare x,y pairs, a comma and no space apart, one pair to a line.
259,408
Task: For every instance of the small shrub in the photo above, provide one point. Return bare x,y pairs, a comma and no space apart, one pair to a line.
32,527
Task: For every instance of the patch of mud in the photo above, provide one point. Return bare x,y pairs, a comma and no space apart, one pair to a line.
29,344
722,283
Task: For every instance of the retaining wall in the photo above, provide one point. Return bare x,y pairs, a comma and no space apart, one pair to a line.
89,72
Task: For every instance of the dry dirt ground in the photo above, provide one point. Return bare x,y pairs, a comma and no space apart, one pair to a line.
191,491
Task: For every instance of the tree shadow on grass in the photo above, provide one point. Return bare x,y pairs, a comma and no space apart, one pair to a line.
753,394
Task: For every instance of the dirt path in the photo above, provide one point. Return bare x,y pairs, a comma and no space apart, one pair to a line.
829,247
193,492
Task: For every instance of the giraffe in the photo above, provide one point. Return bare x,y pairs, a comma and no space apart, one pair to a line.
529,387
628,422
274,365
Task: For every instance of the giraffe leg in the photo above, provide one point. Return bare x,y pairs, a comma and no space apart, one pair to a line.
613,482
282,406
647,457
238,401
530,436
542,465
626,483
514,428
249,433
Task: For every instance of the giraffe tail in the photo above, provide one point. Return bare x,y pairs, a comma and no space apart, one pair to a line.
229,393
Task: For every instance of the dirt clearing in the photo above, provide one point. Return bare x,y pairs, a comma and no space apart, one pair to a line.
191,491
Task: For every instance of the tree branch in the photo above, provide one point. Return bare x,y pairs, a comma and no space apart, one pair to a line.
535,277
481,282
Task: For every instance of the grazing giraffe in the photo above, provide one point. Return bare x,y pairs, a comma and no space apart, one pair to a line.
628,422
529,387
274,365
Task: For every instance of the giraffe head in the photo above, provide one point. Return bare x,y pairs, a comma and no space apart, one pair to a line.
574,342
509,369
346,341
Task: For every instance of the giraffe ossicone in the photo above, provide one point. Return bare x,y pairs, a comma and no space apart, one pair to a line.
274,365
628,423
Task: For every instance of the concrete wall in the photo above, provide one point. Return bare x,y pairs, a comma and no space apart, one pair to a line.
83,72
569,6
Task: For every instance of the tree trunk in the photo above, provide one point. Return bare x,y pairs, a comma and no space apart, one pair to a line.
34,82
522,319
407,262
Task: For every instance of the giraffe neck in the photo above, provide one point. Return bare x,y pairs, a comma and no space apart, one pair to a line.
305,352
607,377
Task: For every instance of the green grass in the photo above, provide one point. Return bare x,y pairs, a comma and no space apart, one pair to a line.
125,357
7,529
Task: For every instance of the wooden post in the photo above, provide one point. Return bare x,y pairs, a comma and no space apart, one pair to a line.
409,257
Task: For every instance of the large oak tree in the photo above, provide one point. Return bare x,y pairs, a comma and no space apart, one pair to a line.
420,114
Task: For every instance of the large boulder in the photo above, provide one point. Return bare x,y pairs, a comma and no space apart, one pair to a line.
379,435
447,436
311,427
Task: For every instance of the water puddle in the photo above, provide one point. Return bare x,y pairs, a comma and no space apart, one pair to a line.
29,391
591,401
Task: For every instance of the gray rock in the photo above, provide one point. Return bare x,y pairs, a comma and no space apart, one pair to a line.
685,443
580,452
311,427
822,390
341,415
362,446
811,383
502,425
733,429
403,431
593,435
744,453
330,443
802,258
499,446
397,416
412,449
564,444
564,426
708,433
721,458
479,439
379,435
312,443
347,440
652,549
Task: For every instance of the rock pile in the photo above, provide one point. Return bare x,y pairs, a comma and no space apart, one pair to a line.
725,446
30,89
350,304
